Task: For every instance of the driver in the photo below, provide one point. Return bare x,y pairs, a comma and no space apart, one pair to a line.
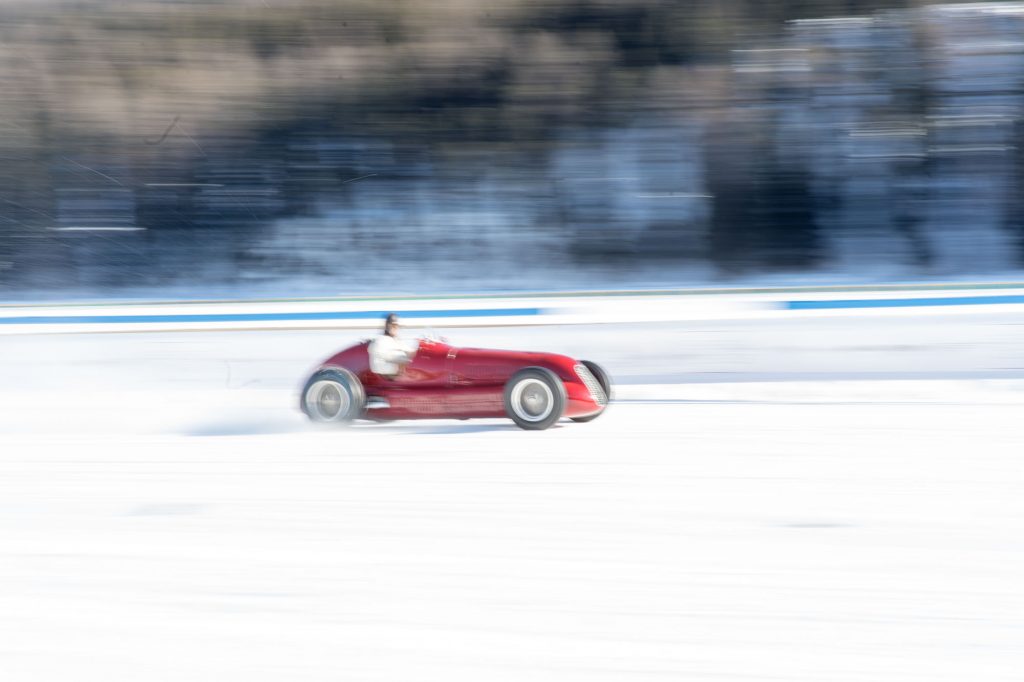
388,353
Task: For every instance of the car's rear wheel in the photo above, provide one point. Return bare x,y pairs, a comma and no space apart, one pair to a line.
333,396
535,398
606,385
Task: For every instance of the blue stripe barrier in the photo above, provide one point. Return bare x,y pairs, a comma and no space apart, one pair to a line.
902,302
268,317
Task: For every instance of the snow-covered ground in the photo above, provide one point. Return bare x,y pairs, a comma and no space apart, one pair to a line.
793,499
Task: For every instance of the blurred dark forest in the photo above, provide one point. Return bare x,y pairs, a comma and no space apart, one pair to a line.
349,145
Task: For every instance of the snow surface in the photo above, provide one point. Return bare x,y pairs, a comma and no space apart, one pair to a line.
793,499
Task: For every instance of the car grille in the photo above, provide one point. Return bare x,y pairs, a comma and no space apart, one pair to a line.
592,384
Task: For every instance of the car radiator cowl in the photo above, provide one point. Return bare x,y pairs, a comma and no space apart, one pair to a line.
592,384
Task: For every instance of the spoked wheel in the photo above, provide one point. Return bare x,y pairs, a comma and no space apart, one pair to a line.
604,381
333,396
535,398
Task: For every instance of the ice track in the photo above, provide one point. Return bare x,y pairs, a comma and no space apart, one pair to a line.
819,500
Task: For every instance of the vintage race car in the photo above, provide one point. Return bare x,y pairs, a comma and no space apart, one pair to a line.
534,390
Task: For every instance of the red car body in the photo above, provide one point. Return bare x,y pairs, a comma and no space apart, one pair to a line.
442,381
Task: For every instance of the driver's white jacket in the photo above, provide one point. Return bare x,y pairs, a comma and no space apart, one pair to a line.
388,354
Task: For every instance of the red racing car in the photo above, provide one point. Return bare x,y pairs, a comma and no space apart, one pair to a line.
534,390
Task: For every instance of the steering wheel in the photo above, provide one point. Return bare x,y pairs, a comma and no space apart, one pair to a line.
430,335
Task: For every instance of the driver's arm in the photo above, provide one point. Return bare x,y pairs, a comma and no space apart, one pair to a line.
389,349
408,347
392,350
387,356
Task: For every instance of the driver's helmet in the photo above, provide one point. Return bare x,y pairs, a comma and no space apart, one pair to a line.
390,321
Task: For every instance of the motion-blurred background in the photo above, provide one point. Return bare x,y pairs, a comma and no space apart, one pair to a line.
329,146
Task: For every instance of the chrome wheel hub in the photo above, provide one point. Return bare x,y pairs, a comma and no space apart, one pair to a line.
327,401
532,400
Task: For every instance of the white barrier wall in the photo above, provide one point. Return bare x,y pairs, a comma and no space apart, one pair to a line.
534,309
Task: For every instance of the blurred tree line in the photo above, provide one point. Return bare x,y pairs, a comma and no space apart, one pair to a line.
147,142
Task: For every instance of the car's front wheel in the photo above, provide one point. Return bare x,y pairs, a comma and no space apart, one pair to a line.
535,398
333,396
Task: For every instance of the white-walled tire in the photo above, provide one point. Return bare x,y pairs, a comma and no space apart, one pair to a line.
333,396
534,398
